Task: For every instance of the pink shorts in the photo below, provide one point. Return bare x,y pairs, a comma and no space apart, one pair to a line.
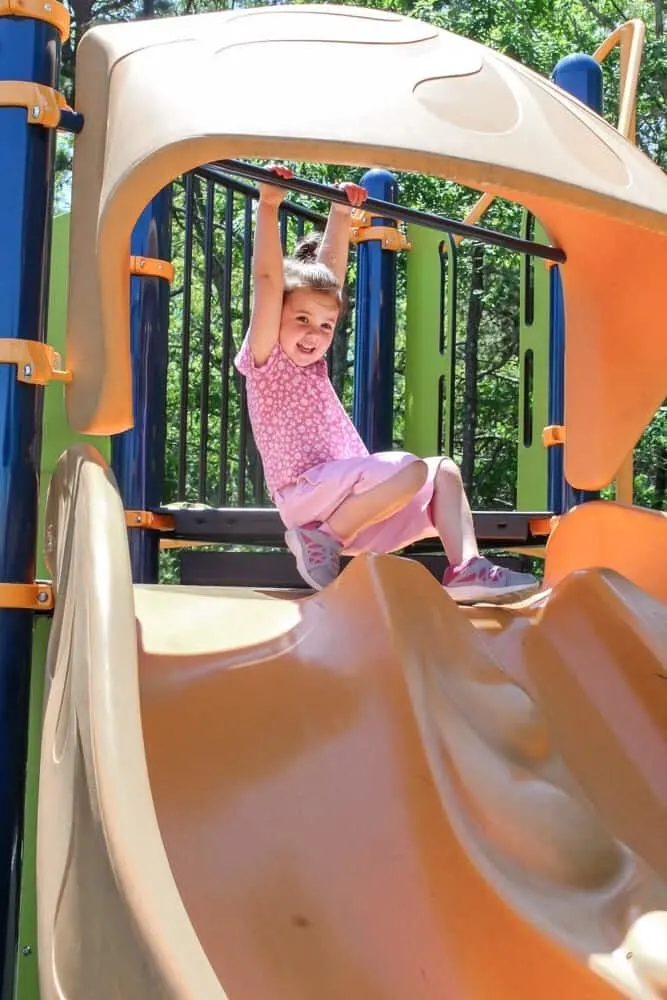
320,491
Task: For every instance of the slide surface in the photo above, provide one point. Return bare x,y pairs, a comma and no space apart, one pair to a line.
368,793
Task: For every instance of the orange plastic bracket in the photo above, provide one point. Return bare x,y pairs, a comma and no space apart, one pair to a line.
552,435
54,13
43,104
36,363
391,237
147,519
360,217
540,526
27,596
151,267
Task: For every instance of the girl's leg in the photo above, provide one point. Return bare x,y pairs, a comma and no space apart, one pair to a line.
361,510
452,516
469,577
317,546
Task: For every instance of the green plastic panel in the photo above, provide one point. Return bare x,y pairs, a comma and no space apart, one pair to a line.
57,435
429,371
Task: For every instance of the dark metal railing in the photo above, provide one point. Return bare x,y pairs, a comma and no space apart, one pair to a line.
211,455
401,213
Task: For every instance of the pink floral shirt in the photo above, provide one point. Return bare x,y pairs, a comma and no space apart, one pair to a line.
297,419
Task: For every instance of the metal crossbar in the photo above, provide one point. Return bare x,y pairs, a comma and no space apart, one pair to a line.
400,213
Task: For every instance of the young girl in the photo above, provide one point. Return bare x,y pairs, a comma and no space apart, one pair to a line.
333,497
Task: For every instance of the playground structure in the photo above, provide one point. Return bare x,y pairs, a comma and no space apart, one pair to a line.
366,791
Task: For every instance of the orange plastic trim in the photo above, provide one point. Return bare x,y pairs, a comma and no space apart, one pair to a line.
541,526
147,519
391,237
36,363
43,104
554,434
629,37
360,217
151,267
29,596
52,12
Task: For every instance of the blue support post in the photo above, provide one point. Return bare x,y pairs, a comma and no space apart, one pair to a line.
581,76
373,409
556,488
137,456
29,50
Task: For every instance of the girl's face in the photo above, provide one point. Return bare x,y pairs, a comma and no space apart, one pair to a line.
307,325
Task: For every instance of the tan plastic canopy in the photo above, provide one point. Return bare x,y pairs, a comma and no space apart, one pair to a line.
161,97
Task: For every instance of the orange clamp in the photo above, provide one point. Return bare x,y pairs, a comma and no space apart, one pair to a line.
540,526
26,596
552,435
36,363
43,104
362,217
51,11
151,267
147,519
391,237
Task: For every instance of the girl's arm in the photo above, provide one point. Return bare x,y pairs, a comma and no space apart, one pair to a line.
267,273
336,240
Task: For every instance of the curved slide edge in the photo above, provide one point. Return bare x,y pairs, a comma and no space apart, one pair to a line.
110,920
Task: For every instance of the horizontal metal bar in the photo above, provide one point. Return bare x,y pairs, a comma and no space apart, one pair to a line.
398,212
262,525
213,173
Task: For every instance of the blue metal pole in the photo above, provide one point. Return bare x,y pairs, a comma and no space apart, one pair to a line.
373,408
581,76
556,407
137,456
29,50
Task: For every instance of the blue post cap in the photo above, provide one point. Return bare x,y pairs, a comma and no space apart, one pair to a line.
380,184
580,75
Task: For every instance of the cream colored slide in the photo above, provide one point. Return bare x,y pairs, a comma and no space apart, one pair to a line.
365,794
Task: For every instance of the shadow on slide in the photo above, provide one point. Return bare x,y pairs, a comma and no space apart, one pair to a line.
366,794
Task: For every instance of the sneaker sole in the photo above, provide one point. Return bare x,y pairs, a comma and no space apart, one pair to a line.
489,595
292,542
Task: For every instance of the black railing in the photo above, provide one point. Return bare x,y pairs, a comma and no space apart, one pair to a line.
211,454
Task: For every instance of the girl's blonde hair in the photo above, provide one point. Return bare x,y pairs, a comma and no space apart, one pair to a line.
303,270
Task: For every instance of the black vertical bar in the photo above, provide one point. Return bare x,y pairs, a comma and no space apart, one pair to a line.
282,221
206,343
226,342
451,264
185,339
245,323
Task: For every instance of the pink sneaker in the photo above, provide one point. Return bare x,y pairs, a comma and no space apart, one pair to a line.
480,580
317,555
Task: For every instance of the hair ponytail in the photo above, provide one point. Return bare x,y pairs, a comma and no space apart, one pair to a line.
308,247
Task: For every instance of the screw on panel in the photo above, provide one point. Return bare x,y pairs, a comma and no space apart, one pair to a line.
27,370
26,950
35,111
42,596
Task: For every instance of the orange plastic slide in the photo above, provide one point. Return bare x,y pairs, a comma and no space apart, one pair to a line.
367,794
